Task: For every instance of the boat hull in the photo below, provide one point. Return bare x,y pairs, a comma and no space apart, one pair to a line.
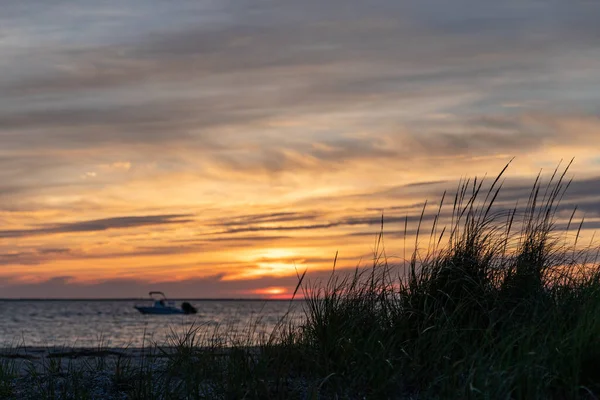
159,310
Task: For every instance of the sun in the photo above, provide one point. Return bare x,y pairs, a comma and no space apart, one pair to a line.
273,292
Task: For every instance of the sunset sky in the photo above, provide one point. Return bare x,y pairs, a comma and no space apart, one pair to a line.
211,148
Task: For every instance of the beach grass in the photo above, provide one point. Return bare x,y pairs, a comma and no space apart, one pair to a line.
500,303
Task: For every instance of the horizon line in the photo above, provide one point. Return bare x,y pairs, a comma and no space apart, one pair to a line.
143,298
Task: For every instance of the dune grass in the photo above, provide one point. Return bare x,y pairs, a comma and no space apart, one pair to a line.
507,308
502,303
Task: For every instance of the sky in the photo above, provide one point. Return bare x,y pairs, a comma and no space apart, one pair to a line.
216,148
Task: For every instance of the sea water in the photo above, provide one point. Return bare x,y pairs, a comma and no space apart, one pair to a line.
116,323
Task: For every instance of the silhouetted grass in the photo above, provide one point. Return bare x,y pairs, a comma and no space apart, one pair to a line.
501,304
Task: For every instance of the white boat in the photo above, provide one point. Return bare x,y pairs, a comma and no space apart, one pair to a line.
163,306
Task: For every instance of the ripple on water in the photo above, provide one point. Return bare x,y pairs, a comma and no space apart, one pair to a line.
117,323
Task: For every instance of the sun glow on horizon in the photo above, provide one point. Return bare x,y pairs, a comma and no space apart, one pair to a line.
275,292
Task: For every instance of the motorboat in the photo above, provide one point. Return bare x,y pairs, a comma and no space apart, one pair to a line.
162,306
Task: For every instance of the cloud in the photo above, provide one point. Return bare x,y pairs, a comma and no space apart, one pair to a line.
213,286
269,122
349,221
514,134
321,59
121,165
99,225
265,218
33,257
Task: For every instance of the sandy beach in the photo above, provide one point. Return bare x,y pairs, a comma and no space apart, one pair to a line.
106,373
40,358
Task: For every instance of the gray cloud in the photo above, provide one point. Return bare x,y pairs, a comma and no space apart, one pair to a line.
305,55
138,86
99,225
33,257
249,239
581,193
265,218
349,221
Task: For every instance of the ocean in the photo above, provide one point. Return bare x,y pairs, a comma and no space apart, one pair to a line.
116,323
